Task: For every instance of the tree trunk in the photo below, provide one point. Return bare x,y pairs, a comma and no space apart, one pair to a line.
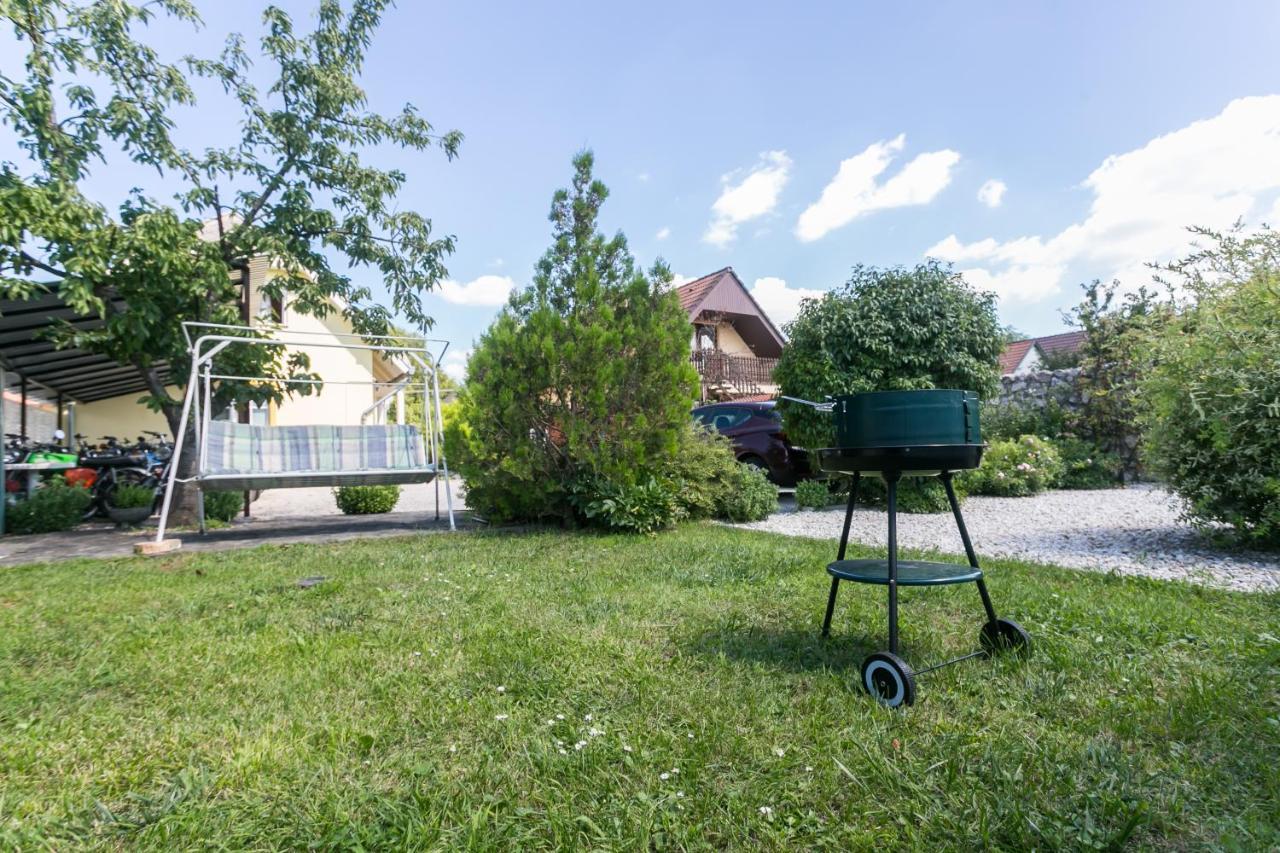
183,511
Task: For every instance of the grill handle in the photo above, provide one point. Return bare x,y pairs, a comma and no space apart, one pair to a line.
821,407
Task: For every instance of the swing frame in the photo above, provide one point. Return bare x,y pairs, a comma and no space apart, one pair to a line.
212,338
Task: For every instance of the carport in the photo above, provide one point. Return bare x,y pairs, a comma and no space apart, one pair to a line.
39,383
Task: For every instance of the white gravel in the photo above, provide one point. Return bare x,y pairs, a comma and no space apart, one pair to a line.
1132,531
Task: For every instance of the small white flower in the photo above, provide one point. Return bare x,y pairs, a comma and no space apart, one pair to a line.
689,736
594,732
587,718
675,771
453,748
779,751
563,751
626,748
559,716
417,654
808,769
551,722
999,475
559,743
767,811
580,744
500,717
501,689
680,793
664,776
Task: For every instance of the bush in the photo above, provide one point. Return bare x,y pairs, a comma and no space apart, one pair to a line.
645,507
223,506
132,496
583,376
916,495
55,506
886,330
1210,394
751,498
703,471
1087,466
366,500
1018,468
814,494
1010,420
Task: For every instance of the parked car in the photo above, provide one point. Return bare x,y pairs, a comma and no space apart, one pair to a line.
755,429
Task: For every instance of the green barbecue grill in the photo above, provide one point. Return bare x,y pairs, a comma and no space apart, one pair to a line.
896,434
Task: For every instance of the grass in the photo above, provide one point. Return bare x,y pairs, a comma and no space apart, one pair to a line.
552,690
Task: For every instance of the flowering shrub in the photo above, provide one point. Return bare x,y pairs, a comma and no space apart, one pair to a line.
1087,466
1018,468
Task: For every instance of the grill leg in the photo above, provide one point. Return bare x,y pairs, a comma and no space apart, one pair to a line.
844,543
891,480
968,544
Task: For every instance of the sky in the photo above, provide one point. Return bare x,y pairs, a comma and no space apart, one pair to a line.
1034,145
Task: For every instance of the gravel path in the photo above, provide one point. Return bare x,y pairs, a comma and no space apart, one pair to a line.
1133,531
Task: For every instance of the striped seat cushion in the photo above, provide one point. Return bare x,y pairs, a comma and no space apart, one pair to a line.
245,449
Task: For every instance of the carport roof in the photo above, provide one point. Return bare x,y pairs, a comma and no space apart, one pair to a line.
75,373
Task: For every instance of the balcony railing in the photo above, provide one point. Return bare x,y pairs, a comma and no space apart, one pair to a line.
744,373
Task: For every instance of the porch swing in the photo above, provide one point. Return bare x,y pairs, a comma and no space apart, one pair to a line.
245,457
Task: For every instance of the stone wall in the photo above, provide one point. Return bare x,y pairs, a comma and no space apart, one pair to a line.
1038,387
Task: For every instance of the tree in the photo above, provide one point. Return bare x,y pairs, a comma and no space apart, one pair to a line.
888,329
1110,362
584,375
1209,389
295,188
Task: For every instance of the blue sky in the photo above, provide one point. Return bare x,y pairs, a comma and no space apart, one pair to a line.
721,130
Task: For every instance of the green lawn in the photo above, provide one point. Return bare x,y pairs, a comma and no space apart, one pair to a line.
576,691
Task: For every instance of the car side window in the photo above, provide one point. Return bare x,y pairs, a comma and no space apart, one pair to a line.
730,418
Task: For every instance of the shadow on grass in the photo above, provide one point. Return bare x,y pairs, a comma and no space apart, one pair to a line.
800,649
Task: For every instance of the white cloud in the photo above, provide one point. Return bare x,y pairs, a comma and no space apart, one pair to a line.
643,177
664,232
991,193
1211,172
854,190
747,197
678,279
488,290
780,302
455,363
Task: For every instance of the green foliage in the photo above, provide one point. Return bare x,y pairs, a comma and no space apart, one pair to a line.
132,496
295,185
53,507
1010,420
1110,364
223,506
883,330
584,375
1016,468
703,471
751,498
366,500
1211,388
644,507
916,495
1087,466
814,494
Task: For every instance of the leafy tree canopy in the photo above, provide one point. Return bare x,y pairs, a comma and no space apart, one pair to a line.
883,330
585,373
296,187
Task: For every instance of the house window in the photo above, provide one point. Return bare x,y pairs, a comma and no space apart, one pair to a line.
706,336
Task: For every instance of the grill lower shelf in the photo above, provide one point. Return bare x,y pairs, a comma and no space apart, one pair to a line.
924,460
910,572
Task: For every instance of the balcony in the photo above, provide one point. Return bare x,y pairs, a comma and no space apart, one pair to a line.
733,375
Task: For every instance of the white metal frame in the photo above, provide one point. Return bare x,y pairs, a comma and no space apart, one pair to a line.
213,338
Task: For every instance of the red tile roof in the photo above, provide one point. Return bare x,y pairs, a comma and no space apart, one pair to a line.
691,293
1066,342
1013,355
753,398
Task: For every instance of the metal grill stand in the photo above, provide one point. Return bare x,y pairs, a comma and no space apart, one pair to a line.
885,675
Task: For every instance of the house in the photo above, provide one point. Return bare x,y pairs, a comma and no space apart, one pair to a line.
44,389
734,344
1040,353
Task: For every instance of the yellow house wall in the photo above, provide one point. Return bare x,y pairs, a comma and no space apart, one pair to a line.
729,341
336,403
123,417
